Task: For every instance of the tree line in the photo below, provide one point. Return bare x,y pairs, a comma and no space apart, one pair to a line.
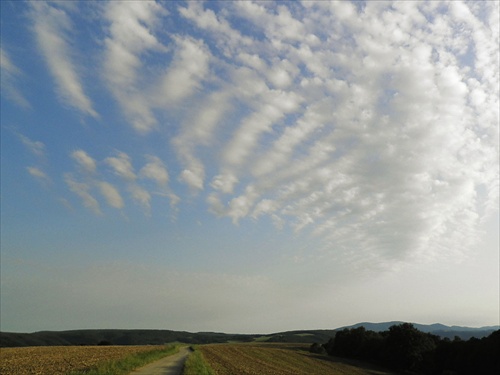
404,348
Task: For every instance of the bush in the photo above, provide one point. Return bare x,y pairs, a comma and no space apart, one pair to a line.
317,348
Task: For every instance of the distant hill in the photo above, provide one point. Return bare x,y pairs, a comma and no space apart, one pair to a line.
437,329
115,337
158,337
304,336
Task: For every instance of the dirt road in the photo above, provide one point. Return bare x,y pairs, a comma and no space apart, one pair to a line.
171,365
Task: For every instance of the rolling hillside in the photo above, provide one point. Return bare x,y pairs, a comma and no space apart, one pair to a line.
158,337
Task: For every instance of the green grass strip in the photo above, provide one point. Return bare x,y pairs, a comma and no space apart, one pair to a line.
196,364
129,363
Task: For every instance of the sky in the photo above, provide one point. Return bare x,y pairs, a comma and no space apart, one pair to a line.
249,167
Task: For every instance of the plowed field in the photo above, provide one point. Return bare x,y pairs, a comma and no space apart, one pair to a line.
59,360
277,359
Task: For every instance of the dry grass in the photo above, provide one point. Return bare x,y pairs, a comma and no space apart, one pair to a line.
59,360
278,359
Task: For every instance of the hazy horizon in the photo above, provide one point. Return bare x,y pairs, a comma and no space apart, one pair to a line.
249,166
250,333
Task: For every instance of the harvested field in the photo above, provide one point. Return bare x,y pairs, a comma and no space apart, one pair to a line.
59,360
278,359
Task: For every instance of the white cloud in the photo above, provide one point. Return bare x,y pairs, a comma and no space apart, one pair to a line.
247,136
199,130
278,24
241,206
82,190
282,73
193,177
282,150
224,182
188,68
227,38
36,147
84,160
9,77
155,170
264,207
373,127
389,153
111,195
121,166
131,35
7,66
38,174
51,27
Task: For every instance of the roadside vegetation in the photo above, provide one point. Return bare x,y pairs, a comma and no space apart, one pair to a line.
196,364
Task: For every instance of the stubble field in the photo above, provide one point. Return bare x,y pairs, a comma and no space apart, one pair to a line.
278,359
60,360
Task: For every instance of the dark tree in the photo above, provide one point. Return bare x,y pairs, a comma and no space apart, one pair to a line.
104,342
356,343
407,348
317,348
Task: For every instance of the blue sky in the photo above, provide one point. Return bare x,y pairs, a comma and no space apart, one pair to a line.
248,166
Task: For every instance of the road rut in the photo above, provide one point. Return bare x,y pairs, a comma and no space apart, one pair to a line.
171,365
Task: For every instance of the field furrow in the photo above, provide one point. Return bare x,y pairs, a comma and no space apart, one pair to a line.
277,359
59,360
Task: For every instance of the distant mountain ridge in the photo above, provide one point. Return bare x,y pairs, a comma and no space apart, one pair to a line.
159,337
438,329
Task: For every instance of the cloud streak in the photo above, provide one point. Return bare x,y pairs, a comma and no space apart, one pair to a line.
37,148
9,78
39,175
131,27
51,26
84,160
111,194
82,189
